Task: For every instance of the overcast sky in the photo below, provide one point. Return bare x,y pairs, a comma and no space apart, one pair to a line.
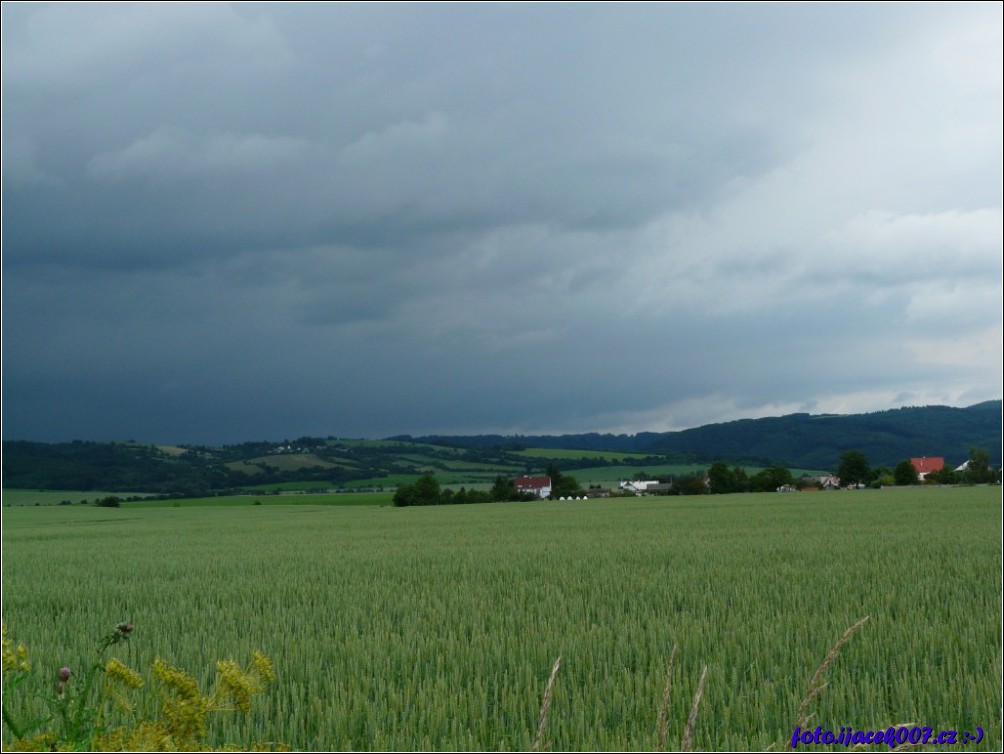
236,222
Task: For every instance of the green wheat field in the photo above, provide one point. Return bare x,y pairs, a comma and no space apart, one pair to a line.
437,628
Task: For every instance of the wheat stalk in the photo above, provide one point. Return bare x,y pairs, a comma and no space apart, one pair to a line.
815,686
664,707
545,707
688,732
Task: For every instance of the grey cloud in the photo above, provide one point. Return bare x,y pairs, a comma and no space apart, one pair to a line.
235,221
63,47
168,154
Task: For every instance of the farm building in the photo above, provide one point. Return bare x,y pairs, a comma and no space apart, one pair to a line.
662,488
647,487
637,487
925,465
538,485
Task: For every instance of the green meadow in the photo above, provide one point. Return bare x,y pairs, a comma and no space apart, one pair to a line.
57,497
560,453
609,476
285,499
437,628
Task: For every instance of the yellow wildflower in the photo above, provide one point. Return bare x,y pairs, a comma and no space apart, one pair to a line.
185,714
186,721
123,674
263,665
15,658
147,736
240,686
181,682
39,742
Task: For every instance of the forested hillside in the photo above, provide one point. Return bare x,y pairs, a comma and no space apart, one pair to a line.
797,440
886,437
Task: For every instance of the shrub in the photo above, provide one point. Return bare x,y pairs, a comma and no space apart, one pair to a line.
96,713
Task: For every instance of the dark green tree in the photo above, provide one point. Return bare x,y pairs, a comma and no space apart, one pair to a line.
978,469
427,490
905,473
853,468
504,489
562,485
742,481
881,476
690,484
944,475
769,479
404,495
721,479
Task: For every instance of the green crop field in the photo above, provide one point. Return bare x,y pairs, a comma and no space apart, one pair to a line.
610,475
55,497
437,628
388,481
561,453
283,499
454,479
290,462
294,486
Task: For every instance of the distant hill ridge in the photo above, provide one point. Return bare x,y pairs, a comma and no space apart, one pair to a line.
797,440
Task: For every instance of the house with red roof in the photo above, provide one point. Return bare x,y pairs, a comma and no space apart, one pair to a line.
925,465
538,485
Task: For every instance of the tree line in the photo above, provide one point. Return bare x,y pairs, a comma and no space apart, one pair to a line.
720,479
854,469
428,491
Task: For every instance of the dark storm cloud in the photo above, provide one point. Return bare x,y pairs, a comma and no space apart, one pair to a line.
235,221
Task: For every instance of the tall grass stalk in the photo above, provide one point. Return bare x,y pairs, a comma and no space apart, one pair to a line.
816,683
545,709
663,720
688,732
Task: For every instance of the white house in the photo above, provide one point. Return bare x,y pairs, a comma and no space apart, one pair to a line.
638,487
829,482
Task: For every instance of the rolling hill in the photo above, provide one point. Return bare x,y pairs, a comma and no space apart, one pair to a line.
798,441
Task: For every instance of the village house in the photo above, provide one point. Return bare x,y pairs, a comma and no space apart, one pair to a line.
538,485
637,486
646,487
925,465
829,482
